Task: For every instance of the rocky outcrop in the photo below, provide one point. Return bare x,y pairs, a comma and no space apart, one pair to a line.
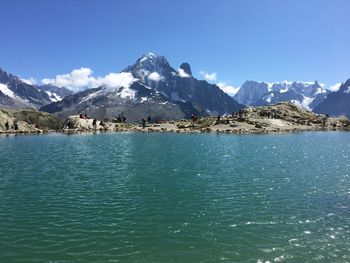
278,118
28,121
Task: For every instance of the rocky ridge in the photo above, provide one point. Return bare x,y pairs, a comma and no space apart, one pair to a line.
278,118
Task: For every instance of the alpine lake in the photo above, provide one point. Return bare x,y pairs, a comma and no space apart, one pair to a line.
163,197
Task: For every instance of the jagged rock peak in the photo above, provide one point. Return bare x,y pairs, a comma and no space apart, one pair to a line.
186,67
148,64
152,58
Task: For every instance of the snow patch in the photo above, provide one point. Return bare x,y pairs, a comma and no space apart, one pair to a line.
306,102
53,96
5,90
269,98
269,86
143,99
145,86
284,90
30,81
90,96
127,93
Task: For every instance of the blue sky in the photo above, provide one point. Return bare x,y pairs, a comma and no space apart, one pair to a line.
265,40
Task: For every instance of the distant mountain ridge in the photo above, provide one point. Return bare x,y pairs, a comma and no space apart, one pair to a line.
156,89
336,103
305,94
17,94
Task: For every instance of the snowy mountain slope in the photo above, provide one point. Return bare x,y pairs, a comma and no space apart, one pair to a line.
305,94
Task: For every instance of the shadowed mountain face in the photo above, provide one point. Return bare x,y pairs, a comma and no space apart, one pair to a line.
16,94
157,89
305,94
337,103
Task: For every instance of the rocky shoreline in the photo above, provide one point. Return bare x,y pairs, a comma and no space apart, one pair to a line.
278,118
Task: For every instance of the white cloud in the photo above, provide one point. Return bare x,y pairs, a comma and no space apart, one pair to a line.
208,76
81,79
230,90
30,81
77,80
155,76
183,74
335,87
116,80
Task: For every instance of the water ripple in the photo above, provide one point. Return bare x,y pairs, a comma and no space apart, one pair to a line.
175,198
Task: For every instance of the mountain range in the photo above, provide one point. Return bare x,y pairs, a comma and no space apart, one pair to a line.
149,87
337,103
17,94
304,94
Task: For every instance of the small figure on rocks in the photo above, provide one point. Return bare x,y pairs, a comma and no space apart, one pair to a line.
124,119
194,118
15,125
69,124
7,126
143,123
149,119
94,123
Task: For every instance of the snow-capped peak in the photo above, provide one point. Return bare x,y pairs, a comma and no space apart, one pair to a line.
150,63
148,55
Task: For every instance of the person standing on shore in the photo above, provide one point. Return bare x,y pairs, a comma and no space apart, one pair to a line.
15,125
7,126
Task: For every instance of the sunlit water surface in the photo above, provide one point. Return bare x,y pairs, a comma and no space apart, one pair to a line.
133,197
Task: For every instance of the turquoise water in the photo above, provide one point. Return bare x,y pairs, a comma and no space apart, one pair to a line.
133,197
